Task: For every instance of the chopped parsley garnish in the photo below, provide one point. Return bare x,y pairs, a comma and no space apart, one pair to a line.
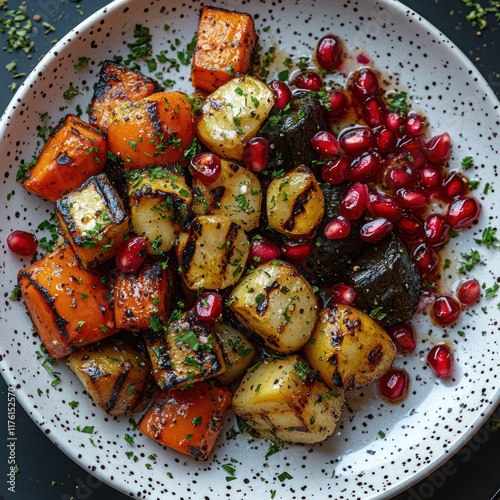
397,102
468,261
378,313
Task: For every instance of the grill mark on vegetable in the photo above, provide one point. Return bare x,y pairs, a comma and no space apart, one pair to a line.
63,159
117,388
375,356
217,194
231,235
264,303
194,232
299,206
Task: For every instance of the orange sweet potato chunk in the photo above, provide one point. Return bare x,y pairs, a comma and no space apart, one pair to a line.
225,44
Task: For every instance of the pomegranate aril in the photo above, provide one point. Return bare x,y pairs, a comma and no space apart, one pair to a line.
431,178
384,140
206,167
394,384
337,104
411,198
364,84
338,228
297,250
131,254
395,122
329,52
445,310
365,168
453,187
282,93
256,153
342,294
355,141
308,80
399,177
436,229
416,159
262,251
374,110
469,292
354,202
334,171
425,259
22,243
208,307
414,125
438,148
440,359
375,230
410,225
325,143
463,212
381,205
403,335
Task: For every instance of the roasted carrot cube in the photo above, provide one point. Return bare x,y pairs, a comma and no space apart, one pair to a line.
143,296
74,152
117,84
67,303
188,421
225,45
93,220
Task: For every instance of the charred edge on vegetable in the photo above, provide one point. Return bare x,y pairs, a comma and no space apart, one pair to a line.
63,159
117,388
299,206
217,194
231,235
194,232
264,303
154,115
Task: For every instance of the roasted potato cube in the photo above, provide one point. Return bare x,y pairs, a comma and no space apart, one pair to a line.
143,295
188,421
295,203
238,351
348,348
114,374
117,84
278,304
285,399
236,194
74,152
184,352
160,201
225,45
212,252
232,115
67,303
93,220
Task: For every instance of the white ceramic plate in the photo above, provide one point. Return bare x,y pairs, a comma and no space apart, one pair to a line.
420,434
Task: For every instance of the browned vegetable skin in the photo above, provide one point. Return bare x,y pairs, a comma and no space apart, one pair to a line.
117,84
93,220
144,295
74,152
67,303
114,374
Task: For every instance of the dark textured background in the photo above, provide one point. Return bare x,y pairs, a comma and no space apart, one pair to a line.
46,473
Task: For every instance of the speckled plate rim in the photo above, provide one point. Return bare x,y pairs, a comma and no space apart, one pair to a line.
488,407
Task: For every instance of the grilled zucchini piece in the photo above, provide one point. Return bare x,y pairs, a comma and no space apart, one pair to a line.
159,201
117,84
93,220
74,152
212,252
278,304
295,203
285,399
236,194
232,115
114,374
348,348
146,294
238,351
184,352
67,303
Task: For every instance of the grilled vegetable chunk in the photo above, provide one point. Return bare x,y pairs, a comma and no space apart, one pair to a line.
277,304
188,421
117,84
295,203
74,152
93,220
224,47
159,201
114,374
154,131
67,303
146,294
232,115
386,278
236,194
348,348
184,352
238,351
212,252
285,399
